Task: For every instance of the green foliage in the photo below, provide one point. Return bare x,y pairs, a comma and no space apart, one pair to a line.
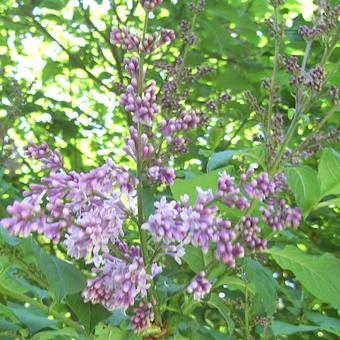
303,182
318,274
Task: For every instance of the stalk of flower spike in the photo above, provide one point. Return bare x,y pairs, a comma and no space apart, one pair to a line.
139,161
278,38
139,151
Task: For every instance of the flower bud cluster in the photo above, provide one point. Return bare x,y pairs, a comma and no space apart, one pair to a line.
309,33
199,286
131,145
260,187
150,4
250,230
50,159
334,93
143,316
148,44
280,216
161,174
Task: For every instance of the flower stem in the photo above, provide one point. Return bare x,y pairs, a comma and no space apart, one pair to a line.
300,104
273,79
48,310
142,233
246,314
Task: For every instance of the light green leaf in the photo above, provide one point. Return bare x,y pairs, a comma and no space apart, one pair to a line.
194,258
335,202
318,274
329,172
303,182
189,186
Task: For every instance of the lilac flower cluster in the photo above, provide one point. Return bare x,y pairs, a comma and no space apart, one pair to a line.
280,215
143,316
118,283
88,210
176,224
199,286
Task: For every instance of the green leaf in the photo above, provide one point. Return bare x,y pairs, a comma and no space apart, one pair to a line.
234,283
63,278
318,274
64,333
303,182
53,4
325,322
87,313
216,302
256,154
189,186
194,258
334,201
31,317
329,172
284,328
220,159
8,326
265,286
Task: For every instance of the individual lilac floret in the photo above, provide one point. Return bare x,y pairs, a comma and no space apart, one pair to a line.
279,216
175,251
260,187
150,4
143,316
51,159
250,230
199,286
118,284
226,251
228,194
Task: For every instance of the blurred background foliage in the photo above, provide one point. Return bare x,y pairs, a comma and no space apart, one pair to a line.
60,81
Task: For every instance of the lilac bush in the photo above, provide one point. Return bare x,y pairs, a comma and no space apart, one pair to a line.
91,213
